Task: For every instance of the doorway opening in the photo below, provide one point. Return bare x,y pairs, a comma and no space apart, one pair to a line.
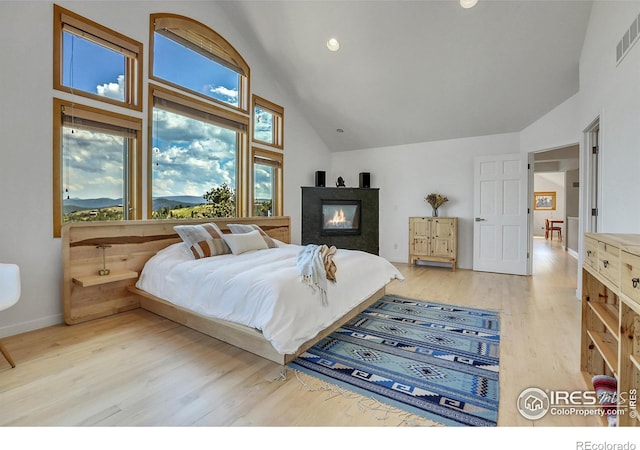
555,212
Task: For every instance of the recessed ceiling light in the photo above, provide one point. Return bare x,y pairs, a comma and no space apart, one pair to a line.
333,44
468,3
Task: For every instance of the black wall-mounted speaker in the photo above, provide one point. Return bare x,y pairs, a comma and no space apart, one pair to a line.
365,180
321,178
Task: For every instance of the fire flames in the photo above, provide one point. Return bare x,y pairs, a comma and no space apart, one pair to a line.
339,220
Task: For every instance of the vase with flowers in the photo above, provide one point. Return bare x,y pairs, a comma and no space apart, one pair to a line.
436,201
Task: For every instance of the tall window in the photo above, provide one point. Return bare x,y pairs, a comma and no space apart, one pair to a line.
95,62
96,165
267,182
200,122
193,57
195,157
267,179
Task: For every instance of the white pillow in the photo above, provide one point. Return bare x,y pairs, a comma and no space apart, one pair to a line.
245,242
237,228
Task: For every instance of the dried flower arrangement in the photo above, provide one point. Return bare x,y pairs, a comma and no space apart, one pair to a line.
436,201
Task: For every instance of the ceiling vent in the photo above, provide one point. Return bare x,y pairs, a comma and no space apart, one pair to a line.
628,39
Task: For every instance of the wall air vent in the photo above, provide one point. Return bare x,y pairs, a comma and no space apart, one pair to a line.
629,38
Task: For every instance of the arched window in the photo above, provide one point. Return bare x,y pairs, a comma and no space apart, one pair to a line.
200,122
192,56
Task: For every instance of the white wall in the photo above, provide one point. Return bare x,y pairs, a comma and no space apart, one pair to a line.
556,129
406,174
26,129
611,92
573,192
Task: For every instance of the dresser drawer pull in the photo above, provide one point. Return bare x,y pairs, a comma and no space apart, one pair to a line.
635,282
605,263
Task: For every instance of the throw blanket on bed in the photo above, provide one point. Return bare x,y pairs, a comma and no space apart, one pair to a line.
315,265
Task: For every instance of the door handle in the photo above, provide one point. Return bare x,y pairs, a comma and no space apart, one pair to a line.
480,219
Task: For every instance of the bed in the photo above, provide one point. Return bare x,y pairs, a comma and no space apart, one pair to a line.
253,300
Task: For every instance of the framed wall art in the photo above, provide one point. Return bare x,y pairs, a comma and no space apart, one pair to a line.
544,200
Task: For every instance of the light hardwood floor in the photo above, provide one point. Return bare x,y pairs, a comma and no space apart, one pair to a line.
138,369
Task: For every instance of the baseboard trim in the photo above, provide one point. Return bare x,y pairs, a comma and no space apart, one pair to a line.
31,325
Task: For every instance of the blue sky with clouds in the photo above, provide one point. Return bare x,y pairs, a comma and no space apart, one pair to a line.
189,157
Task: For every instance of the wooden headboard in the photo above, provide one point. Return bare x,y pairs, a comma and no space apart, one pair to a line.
127,246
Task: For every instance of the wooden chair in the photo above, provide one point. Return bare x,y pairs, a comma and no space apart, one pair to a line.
548,230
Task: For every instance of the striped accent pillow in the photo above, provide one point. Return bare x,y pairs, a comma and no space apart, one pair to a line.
203,240
237,228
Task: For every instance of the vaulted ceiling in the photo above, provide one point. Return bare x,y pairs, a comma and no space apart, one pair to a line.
416,71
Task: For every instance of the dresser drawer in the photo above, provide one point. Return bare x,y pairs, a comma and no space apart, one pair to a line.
609,262
591,252
630,275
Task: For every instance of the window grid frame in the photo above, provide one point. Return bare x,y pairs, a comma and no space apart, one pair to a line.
139,164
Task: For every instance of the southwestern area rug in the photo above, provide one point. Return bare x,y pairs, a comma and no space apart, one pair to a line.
431,359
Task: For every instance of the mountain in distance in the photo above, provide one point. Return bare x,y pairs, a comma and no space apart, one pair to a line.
171,201
187,200
70,205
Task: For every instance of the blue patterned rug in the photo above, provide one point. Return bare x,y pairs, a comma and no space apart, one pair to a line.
431,359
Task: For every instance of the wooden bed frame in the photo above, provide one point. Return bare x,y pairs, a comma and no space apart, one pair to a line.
124,247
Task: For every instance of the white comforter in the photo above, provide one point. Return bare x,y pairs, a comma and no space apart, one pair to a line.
262,289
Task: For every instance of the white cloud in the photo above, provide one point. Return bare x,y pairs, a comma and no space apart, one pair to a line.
192,156
112,90
92,164
223,93
263,182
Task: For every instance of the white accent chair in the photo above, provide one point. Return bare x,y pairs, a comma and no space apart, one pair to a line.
9,295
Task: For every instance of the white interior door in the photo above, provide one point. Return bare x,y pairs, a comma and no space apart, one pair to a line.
500,232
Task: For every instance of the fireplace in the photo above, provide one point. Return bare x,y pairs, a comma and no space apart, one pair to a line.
345,217
340,217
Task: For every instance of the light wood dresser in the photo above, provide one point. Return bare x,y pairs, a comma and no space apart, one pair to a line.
433,239
610,334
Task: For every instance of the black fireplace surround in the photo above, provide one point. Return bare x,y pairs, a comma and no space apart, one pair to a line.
344,217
